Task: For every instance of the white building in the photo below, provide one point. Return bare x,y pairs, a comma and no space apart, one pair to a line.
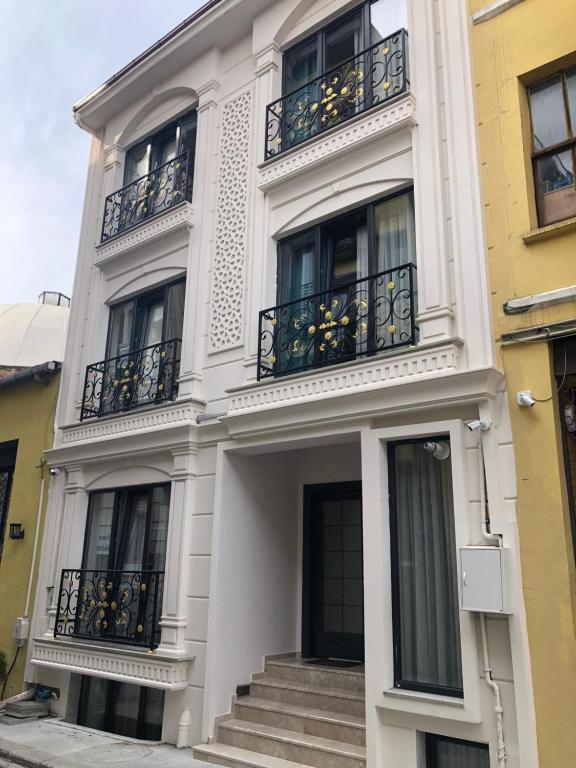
255,484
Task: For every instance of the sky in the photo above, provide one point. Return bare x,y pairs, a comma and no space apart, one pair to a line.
52,53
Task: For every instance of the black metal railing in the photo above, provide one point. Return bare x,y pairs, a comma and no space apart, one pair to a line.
143,377
372,77
111,606
368,316
162,188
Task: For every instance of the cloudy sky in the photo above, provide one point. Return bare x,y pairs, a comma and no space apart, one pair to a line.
53,52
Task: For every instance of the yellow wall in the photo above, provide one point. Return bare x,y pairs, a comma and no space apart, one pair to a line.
523,44
26,415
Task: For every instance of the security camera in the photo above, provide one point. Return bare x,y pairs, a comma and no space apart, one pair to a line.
481,424
54,471
440,451
525,399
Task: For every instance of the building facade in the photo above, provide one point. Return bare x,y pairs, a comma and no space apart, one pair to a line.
281,332
32,340
526,108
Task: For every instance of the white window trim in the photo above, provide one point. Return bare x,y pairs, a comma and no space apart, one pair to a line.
378,583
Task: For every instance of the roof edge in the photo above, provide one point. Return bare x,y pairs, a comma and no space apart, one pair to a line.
79,105
35,371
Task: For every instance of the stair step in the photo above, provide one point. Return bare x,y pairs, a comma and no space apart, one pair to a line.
233,757
331,699
288,745
319,676
315,722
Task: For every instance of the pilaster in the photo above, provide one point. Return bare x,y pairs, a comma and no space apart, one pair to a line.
173,621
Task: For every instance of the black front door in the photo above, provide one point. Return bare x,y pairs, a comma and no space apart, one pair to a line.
333,583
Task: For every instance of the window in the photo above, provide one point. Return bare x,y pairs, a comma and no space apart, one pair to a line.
7,464
342,40
345,288
424,583
128,710
443,752
143,349
553,116
161,148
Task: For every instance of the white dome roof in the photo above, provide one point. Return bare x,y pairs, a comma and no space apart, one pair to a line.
31,334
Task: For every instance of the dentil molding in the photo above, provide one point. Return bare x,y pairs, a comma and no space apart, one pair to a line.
362,375
323,148
139,667
179,217
137,421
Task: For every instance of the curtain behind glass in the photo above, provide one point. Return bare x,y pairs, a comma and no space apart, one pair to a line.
387,17
174,321
429,634
394,231
98,532
451,754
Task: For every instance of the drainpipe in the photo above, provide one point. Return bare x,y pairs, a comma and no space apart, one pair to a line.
42,466
493,538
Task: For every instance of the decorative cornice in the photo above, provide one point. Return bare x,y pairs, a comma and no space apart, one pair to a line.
179,217
140,667
348,379
325,147
122,424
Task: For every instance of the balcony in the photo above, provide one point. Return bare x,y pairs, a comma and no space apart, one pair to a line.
159,191
110,606
366,317
372,77
147,376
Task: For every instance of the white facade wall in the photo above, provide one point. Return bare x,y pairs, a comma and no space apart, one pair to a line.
233,575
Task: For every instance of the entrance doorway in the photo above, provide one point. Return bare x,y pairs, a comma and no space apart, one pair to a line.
333,578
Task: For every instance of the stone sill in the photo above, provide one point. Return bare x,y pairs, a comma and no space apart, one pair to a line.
551,230
432,698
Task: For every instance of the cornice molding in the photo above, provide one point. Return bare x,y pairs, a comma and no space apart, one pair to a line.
139,667
325,147
179,217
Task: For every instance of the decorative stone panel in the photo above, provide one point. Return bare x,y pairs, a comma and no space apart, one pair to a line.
148,668
232,206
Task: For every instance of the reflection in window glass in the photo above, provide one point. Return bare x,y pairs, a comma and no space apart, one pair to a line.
548,114
449,753
555,186
387,17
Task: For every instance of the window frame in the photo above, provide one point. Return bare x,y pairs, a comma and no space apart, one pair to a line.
8,458
322,256
432,740
147,295
568,144
156,137
399,682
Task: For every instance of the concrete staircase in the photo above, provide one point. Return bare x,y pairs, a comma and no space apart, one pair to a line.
296,713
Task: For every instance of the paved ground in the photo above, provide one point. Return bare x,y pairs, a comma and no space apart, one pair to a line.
50,743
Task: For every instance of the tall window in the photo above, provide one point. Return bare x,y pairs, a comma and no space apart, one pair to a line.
442,752
553,115
343,39
423,553
161,147
7,463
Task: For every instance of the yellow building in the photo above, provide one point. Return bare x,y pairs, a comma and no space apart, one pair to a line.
31,350
524,55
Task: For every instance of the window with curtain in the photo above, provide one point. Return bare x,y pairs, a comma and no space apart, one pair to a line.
426,629
444,752
553,120
7,464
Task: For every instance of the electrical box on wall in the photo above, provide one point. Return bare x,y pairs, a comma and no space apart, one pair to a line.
483,586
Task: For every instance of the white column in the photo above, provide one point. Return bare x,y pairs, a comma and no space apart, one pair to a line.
173,621
435,315
200,242
71,536
262,272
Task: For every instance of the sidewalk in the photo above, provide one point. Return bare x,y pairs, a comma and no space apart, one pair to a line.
51,743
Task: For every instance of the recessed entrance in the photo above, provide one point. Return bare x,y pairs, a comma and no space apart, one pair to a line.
333,580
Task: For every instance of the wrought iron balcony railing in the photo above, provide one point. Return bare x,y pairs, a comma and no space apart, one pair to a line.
111,606
372,77
368,316
159,190
144,377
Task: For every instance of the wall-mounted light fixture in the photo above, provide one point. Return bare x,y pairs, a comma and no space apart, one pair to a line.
16,531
